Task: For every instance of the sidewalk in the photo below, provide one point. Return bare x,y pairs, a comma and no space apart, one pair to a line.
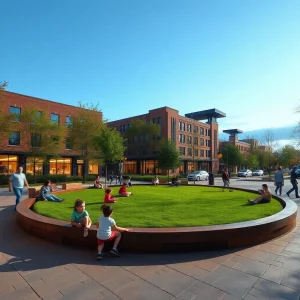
35,269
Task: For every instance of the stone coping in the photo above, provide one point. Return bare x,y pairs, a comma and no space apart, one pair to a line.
166,239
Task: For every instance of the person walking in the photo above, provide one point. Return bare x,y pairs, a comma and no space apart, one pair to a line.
17,181
294,183
226,180
279,180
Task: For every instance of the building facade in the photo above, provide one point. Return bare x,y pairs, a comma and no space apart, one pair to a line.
15,151
196,141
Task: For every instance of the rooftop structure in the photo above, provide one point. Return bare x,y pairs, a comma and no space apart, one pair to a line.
209,114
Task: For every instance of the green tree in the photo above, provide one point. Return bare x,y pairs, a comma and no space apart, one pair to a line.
288,156
84,126
252,161
110,144
43,138
168,157
231,155
142,139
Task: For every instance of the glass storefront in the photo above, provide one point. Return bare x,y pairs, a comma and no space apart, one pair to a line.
8,164
34,163
61,166
93,168
129,167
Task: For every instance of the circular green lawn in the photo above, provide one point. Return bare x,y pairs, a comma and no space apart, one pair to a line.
165,206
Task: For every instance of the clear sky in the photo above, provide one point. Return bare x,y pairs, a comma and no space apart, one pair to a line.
242,57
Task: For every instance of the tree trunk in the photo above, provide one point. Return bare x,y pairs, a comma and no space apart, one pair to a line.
168,175
83,171
105,174
34,179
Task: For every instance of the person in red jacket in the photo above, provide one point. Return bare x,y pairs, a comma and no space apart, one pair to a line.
123,192
225,178
108,198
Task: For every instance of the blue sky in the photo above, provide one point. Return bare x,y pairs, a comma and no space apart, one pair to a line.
242,57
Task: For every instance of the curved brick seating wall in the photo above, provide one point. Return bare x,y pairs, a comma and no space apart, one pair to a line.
165,239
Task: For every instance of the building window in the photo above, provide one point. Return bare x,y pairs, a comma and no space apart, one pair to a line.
181,126
16,111
201,153
93,169
208,153
68,143
201,130
181,138
196,152
36,140
34,163
196,129
189,140
195,140
55,119
14,139
61,166
189,128
159,121
189,151
182,150
154,121
8,164
208,132
123,128
207,142
201,142
68,121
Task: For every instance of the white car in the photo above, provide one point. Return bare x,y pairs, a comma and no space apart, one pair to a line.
197,175
244,173
258,173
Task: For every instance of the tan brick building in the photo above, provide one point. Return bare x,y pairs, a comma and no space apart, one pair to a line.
15,152
196,141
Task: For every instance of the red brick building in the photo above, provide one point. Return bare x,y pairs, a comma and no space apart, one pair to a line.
196,141
15,152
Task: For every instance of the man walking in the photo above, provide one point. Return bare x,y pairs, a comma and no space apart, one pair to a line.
294,183
225,178
16,184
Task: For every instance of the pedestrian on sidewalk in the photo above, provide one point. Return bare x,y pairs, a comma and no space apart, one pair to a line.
279,180
294,183
226,180
17,181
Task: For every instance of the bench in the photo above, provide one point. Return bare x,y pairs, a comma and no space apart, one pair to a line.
34,192
72,186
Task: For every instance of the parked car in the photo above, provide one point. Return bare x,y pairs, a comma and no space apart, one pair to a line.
244,173
258,173
197,175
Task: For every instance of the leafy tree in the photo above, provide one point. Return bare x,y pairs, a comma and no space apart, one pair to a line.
270,142
169,157
111,146
252,161
42,137
142,139
84,126
288,156
231,155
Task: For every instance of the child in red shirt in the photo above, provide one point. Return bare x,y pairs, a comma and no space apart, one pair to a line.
123,192
108,197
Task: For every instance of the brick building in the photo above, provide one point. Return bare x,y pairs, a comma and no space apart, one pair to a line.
15,152
196,141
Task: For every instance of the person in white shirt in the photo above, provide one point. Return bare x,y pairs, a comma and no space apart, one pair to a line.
107,230
17,181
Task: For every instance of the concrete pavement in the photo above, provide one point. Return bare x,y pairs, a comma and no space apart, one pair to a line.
35,269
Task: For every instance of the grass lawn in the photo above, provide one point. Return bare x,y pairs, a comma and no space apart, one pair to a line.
164,206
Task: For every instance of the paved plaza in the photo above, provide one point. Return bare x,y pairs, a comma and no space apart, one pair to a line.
32,268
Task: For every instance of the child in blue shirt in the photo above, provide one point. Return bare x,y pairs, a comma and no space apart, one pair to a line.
80,217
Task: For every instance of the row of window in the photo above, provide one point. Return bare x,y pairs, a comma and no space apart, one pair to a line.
55,118
201,152
123,128
9,163
203,142
203,131
36,139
